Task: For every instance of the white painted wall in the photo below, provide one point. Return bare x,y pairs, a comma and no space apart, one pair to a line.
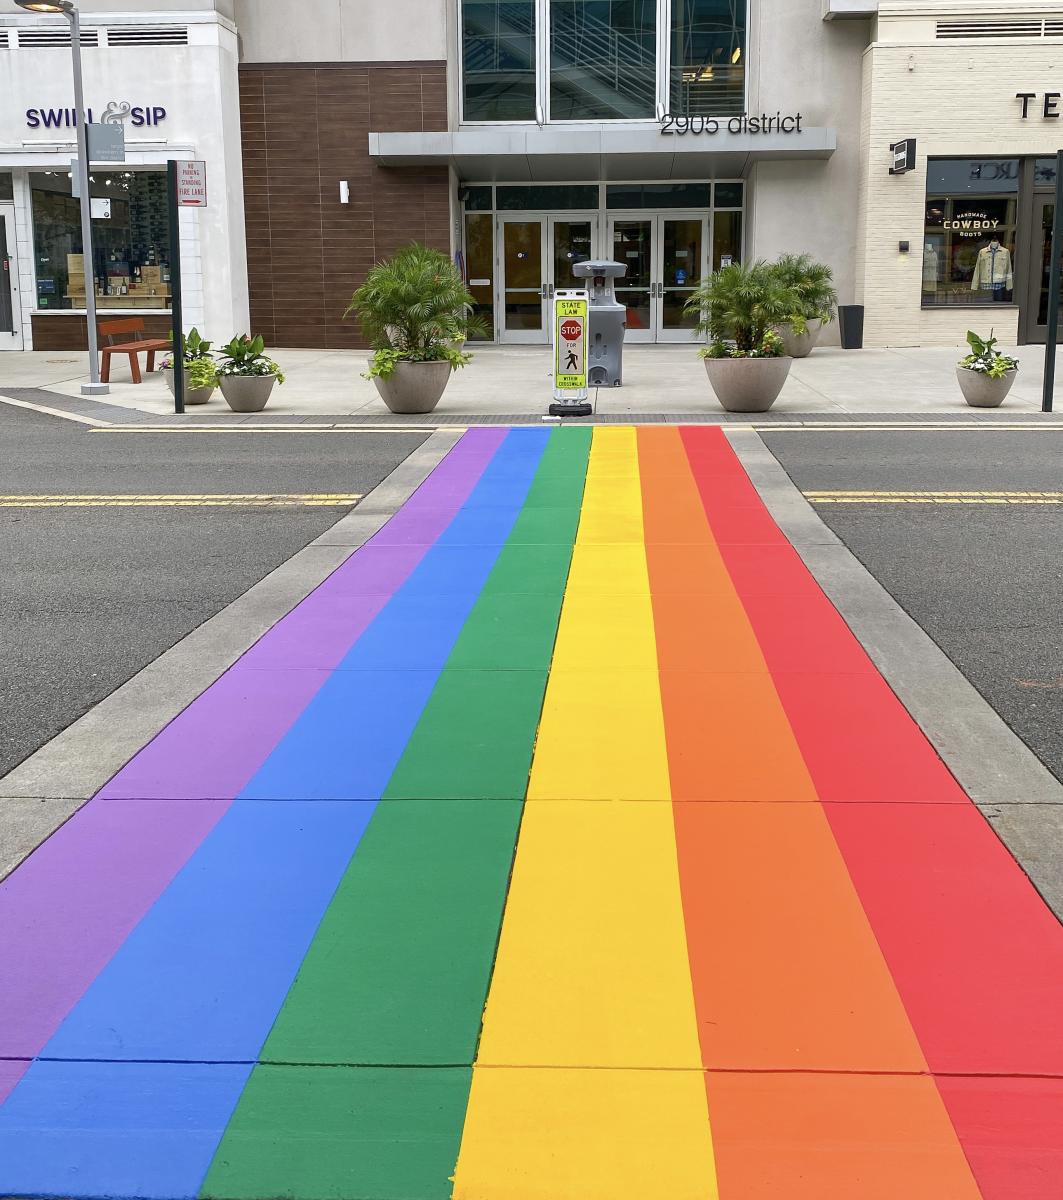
274,31
957,98
803,64
197,85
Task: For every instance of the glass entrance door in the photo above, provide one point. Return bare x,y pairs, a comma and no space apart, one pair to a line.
1040,268
665,256
538,254
10,313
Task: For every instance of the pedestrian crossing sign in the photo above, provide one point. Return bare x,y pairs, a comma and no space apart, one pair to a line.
570,345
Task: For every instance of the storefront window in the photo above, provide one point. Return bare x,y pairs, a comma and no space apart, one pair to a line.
968,250
130,235
498,59
603,59
7,188
479,267
726,239
708,58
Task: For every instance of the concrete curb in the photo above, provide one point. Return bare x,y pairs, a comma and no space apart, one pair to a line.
54,782
1019,796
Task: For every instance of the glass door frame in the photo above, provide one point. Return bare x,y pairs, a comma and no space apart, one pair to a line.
11,340
1035,333
656,218
548,222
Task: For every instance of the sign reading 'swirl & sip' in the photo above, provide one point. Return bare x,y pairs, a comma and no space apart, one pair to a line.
758,124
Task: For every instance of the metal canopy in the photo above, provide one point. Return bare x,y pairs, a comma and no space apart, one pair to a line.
553,153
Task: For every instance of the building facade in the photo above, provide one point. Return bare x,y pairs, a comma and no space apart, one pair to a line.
522,136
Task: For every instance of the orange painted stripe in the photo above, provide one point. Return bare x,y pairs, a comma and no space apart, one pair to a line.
786,971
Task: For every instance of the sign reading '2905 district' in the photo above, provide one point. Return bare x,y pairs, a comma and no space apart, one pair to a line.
755,124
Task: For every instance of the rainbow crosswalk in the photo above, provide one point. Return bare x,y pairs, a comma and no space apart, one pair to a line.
563,845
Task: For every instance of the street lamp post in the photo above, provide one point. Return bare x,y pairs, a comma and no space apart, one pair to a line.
69,10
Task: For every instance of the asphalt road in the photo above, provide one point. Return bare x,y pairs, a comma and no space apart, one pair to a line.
985,581
89,596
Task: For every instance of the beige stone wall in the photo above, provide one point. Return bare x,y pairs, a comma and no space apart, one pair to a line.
958,99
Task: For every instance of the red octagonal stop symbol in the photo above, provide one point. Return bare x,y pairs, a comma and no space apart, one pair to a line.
571,330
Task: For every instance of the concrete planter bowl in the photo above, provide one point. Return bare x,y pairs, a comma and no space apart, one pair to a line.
192,395
414,387
747,384
247,393
982,392
800,345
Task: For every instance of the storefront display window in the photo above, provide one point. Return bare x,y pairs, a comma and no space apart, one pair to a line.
479,267
130,234
968,250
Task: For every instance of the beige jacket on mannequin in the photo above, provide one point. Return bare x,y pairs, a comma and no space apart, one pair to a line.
993,268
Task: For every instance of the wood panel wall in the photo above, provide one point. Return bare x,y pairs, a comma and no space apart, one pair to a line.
304,129
56,331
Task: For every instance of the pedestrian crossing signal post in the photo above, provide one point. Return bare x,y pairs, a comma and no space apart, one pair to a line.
569,329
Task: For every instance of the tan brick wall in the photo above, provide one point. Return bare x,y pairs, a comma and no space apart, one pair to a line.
958,99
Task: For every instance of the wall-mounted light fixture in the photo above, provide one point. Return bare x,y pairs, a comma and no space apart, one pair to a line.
345,192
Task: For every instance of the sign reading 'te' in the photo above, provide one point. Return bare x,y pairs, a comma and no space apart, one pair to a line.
192,184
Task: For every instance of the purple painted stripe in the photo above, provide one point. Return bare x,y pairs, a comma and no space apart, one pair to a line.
66,910
73,902
216,745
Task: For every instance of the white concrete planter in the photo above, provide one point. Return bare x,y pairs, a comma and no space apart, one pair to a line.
247,393
800,345
192,395
747,384
414,387
982,392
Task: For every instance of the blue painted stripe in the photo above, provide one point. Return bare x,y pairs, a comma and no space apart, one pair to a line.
118,1130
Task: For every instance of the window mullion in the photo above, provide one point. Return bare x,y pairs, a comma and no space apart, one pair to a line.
542,58
664,56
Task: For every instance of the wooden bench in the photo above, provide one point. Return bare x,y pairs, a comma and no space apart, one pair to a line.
137,346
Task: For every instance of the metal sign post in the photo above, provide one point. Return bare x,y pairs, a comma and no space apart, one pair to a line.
1053,290
177,317
569,329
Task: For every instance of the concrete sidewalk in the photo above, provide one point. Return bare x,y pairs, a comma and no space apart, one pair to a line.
516,380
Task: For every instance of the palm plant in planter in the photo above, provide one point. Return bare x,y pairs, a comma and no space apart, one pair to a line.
247,375
739,307
416,312
200,372
985,375
813,284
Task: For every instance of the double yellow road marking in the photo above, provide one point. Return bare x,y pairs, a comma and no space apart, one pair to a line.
928,497
220,500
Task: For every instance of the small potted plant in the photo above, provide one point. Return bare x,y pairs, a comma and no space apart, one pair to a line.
985,375
200,373
739,307
813,284
247,376
416,313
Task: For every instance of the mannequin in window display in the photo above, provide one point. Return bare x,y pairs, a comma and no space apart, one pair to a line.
931,267
993,271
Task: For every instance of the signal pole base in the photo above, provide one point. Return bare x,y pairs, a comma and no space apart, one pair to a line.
563,409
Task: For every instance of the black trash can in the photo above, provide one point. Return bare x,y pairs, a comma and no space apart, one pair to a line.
851,326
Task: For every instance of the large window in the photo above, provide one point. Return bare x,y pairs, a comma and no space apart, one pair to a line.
130,240
968,249
708,71
602,60
498,59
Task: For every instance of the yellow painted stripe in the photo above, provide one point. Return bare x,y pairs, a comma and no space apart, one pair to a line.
588,1079
276,428
826,492
343,500
934,500
586,1135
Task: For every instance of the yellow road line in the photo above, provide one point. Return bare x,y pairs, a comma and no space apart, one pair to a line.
933,497
233,500
335,428
898,427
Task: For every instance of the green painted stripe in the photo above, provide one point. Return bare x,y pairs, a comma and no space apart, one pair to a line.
342,1133
398,972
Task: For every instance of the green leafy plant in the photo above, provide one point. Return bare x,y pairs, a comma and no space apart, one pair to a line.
201,373
415,308
738,306
245,357
813,284
986,359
